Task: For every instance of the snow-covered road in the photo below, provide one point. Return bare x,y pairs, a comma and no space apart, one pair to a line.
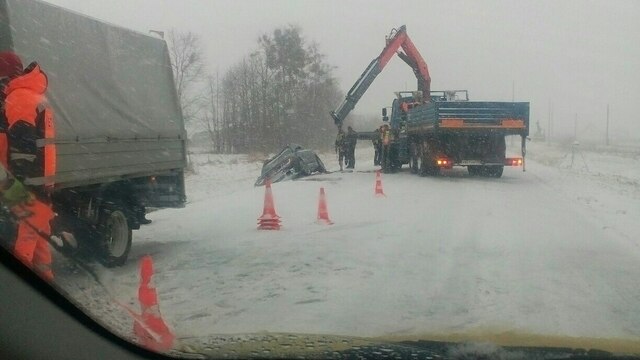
552,251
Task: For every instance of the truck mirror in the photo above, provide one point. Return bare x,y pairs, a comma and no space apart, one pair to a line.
384,112
385,118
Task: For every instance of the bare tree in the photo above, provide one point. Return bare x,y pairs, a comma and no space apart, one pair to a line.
187,61
212,119
280,93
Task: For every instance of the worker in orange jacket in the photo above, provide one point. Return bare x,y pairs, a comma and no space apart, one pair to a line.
24,118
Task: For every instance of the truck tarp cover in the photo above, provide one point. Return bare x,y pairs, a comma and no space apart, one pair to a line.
112,91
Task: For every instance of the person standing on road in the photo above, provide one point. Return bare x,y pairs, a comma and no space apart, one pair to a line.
341,146
385,135
352,139
24,118
377,145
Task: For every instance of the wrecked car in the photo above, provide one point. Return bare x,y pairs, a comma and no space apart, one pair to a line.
292,162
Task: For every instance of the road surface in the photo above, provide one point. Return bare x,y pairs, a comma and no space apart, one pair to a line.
553,251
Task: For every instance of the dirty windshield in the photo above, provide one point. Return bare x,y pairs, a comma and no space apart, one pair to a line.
328,178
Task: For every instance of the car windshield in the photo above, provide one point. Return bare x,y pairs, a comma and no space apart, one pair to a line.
467,171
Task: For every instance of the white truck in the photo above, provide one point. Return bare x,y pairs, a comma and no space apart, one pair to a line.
119,132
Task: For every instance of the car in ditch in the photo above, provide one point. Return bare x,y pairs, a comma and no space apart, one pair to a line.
292,162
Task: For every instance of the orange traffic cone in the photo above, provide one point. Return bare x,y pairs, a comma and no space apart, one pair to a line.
379,192
149,327
269,219
323,213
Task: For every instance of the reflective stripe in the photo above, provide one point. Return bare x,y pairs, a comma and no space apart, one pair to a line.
22,156
50,156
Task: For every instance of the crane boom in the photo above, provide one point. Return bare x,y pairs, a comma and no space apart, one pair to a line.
396,40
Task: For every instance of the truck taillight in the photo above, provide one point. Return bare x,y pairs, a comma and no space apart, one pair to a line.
444,163
513,161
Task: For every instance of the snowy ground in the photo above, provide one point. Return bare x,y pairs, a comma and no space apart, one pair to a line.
554,250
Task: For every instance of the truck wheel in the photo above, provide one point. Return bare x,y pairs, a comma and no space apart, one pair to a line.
428,170
491,171
433,171
422,169
116,239
473,170
396,166
427,166
413,164
496,171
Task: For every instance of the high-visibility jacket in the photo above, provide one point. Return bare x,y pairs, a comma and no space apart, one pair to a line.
28,118
386,137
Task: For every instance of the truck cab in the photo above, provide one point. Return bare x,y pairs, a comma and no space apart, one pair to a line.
401,110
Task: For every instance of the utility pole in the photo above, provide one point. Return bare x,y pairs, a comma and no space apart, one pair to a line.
218,123
607,133
549,125
575,128
513,98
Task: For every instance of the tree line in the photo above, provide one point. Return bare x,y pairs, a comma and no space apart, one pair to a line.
279,93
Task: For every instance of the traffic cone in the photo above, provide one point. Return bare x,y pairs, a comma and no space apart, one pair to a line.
269,219
149,327
323,213
379,192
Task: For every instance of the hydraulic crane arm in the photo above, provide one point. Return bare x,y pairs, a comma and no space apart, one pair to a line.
413,58
396,40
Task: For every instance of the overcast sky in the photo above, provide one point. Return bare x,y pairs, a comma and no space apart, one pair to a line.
579,55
